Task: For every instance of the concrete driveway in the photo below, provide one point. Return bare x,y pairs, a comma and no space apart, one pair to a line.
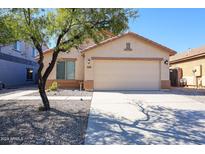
145,117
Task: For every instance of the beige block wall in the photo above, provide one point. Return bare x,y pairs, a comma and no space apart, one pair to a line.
116,49
79,64
188,66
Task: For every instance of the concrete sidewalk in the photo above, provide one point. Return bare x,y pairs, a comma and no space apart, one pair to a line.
20,95
17,94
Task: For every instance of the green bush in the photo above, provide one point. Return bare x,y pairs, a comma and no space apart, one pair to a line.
41,108
53,87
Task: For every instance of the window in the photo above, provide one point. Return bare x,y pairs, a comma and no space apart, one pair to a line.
29,74
60,70
33,52
65,70
17,46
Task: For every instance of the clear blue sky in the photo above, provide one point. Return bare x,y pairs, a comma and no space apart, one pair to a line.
178,29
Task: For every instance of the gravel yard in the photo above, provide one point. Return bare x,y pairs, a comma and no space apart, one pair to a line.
22,123
65,92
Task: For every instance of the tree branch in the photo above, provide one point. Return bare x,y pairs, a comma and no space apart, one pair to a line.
64,31
51,64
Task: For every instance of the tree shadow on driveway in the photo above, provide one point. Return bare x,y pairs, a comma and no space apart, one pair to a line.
161,125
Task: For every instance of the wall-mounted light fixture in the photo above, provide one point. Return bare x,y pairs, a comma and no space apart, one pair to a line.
166,62
88,60
30,71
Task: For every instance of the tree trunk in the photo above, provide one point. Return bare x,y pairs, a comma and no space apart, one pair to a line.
42,83
42,79
41,87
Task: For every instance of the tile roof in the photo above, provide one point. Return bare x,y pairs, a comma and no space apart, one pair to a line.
81,47
190,54
84,45
87,46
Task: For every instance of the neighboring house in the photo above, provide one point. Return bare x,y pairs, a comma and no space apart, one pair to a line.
17,64
125,62
192,64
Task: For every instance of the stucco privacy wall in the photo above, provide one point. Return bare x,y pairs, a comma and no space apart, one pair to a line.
140,49
72,55
188,66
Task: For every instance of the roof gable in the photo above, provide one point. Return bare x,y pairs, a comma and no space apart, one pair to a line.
170,51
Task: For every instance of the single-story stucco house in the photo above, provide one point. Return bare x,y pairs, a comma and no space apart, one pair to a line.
124,62
192,64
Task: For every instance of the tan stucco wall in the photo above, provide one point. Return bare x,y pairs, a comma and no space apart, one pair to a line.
79,65
116,49
188,66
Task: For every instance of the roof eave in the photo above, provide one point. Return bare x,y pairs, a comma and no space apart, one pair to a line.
186,58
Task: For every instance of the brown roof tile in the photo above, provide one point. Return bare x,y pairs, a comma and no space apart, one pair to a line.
190,54
81,47
90,45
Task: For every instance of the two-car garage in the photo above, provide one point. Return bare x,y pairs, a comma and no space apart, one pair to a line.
128,74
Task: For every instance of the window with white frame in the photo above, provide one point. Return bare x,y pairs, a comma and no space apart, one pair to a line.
65,70
17,46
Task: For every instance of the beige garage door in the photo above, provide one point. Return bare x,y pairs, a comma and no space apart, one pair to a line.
126,75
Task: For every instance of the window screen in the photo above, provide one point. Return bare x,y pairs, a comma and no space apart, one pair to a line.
70,70
60,72
65,70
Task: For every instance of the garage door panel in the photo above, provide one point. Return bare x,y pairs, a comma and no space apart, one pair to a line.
126,75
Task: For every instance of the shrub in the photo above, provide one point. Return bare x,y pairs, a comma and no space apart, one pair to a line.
41,108
53,87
